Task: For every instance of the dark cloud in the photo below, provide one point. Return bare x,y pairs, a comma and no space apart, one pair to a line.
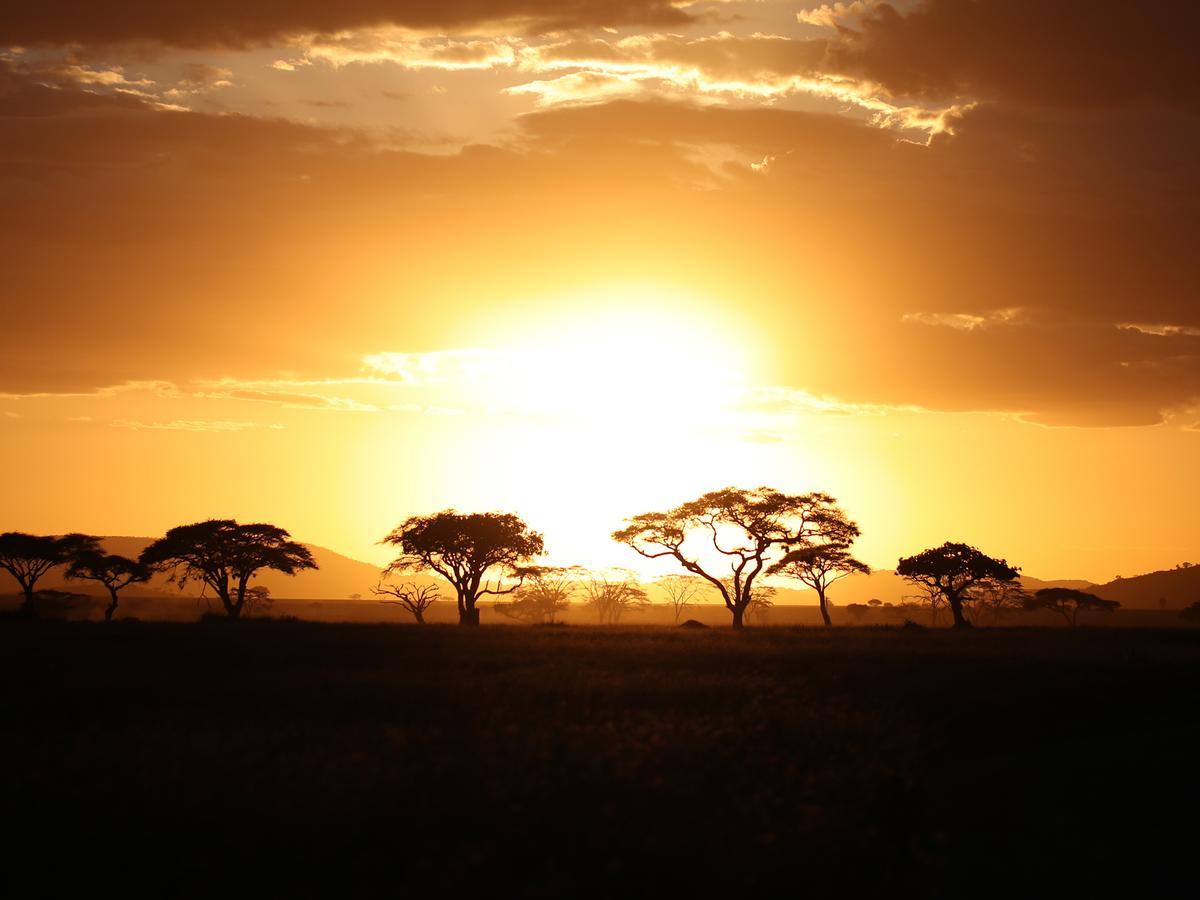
1079,222
142,243
233,23
1066,53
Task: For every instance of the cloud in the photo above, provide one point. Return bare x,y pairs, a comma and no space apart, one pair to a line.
190,425
1066,54
200,78
405,49
226,23
204,245
1161,330
298,401
967,321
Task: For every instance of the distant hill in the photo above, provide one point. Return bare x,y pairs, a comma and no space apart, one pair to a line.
887,586
336,578
1171,589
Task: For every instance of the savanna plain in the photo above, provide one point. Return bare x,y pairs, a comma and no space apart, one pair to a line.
319,759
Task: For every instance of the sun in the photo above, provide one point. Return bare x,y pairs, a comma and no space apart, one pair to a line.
615,406
635,355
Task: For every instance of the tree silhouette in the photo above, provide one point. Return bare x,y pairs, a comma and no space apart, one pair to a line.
546,594
463,548
994,600
225,556
857,611
416,598
1069,603
820,565
258,600
610,597
738,530
951,571
1191,612
27,557
114,572
761,604
681,591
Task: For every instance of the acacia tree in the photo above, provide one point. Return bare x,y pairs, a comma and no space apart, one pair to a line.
996,599
463,548
820,565
224,556
546,593
114,572
416,598
739,530
951,572
681,592
611,596
761,604
1069,603
27,557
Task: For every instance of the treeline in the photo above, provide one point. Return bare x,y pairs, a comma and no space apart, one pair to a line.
725,541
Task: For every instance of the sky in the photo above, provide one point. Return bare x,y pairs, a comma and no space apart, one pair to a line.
331,265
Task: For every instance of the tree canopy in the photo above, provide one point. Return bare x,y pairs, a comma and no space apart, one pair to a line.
27,557
1069,603
464,548
111,570
819,565
224,556
951,571
730,536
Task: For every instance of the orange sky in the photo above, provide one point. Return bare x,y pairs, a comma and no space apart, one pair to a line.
332,265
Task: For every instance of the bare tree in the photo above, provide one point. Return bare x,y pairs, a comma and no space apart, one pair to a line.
927,599
114,572
416,598
741,531
544,596
611,596
681,592
463,549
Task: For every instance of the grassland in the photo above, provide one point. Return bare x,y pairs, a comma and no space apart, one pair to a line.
303,759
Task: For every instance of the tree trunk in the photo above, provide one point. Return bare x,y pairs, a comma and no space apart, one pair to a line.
112,607
739,613
469,616
960,620
419,616
824,608
27,607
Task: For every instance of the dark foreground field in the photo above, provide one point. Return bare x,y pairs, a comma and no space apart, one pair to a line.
275,758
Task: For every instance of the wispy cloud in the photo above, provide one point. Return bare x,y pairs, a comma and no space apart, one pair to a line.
289,400
1161,330
1013,315
191,425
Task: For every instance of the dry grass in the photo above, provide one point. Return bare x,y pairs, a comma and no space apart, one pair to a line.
314,759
